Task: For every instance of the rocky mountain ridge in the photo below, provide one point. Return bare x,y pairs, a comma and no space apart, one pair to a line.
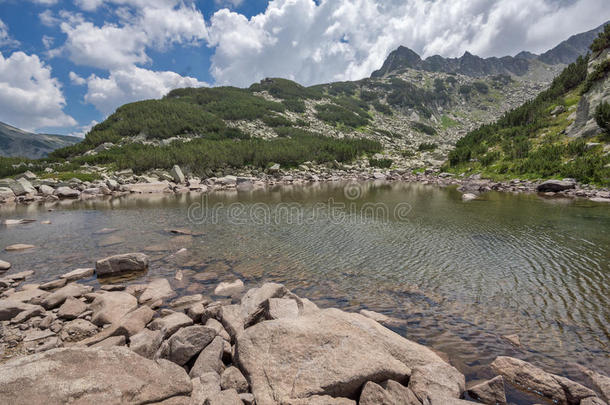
470,65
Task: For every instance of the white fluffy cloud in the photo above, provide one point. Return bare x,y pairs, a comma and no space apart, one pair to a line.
30,98
315,42
133,84
142,24
5,38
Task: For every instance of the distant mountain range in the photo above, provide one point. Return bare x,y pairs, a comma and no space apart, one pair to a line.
471,65
16,142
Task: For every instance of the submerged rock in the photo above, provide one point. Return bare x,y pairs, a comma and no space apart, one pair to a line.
124,263
18,246
79,375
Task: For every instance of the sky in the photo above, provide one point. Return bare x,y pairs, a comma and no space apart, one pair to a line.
66,65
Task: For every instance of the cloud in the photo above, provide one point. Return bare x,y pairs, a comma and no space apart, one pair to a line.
144,24
320,41
5,38
82,130
133,84
228,3
30,98
77,80
45,2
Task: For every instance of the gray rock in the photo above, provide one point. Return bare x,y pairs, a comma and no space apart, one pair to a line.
436,379
112,306
489,392
329,352
129,325
278,308
46,190
71,309
232,378
90,375
6,194
59,296
54,284
177,174
22,187
210,359
186,343
146,342
77,330
557,388
66,192
158,289
121,264
204,387
171,323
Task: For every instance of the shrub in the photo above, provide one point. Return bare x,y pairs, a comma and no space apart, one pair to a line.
602,41
335,114
381,163
602,115
421,127
481,87
427,147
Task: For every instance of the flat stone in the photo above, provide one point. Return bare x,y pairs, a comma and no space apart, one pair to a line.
18,247
330,352
489,392
539,381
10,309
321,400
148,188
78,274
28,294
112,306
54,284
130,324
158,289
4,266
19,276
119,264
186,343
58,297
71,309
91,375
171,323
66,192
35,335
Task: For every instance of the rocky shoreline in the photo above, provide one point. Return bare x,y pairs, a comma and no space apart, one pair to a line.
28,188
64,342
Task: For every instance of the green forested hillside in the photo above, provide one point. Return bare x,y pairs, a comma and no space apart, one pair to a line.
532,141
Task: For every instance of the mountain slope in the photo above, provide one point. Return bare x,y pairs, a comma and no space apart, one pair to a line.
413,115
564,132
16,142
471,65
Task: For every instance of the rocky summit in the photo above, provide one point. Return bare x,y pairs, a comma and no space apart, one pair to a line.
68,344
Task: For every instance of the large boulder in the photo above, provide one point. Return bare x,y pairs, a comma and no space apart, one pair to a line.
112,306
555,186
80,375
119,264
329,352
186,343
22,187
210,359
66,192
436,380
489,392
559,389
177,174
171,323
146,342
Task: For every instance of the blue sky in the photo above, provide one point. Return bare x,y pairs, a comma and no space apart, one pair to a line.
67,64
